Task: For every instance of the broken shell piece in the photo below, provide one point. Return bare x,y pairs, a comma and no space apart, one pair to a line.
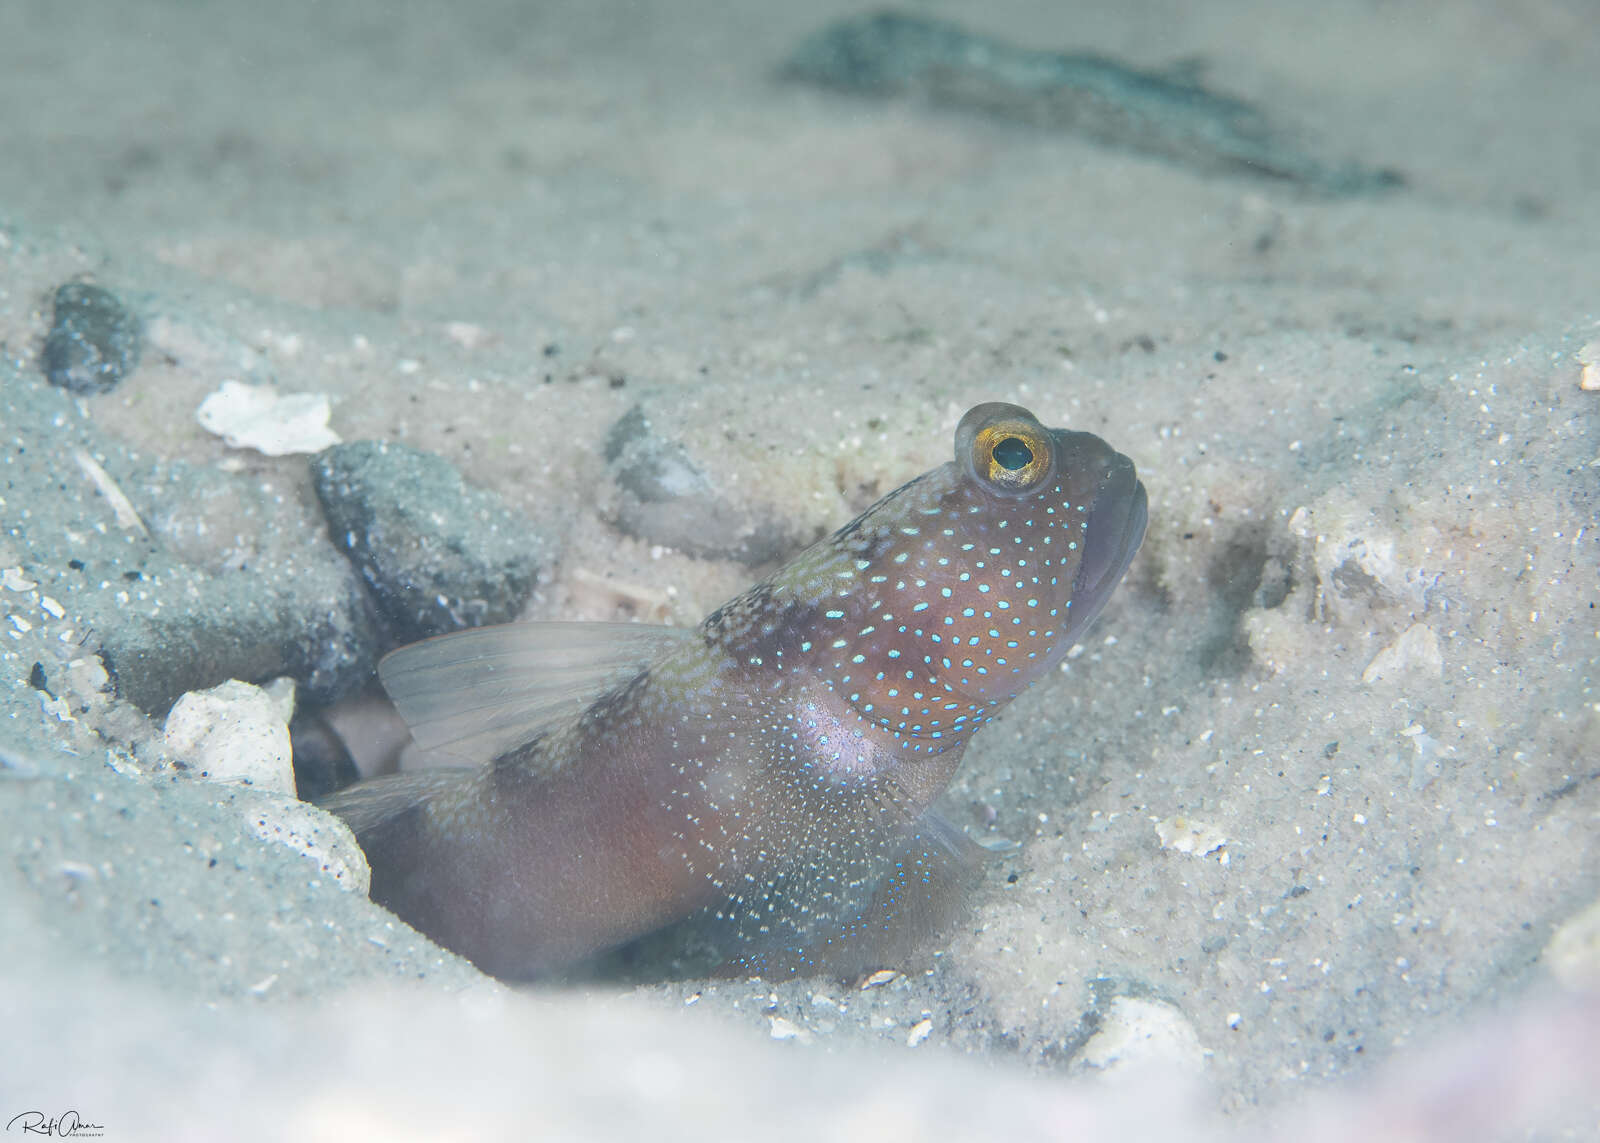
272,423
1573,954
1135,1034
13,579
1415,652
236,732
314,834
1589,366
1185,835
121,507
467,334
783,1029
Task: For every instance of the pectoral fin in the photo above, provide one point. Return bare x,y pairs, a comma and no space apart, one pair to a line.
367,805
879,916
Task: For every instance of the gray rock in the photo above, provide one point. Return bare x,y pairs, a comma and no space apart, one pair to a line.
94,341
310,622
436,553
668,499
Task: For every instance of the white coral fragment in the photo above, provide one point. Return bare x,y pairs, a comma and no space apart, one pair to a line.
272,423
236,732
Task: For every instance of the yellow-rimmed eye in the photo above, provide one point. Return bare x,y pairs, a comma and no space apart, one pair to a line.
1004,447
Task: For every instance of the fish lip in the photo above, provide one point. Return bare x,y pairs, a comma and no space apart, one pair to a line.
1117,521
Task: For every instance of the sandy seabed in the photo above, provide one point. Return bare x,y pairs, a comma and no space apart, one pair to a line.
1313,816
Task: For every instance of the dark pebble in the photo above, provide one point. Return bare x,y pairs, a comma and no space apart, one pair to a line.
94,341
436,553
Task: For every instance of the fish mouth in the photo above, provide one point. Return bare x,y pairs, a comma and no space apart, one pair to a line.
1117,520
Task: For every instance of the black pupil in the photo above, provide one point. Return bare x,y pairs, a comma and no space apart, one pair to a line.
1012,454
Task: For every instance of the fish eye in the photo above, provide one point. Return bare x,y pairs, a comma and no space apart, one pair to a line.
1012,453
1005,448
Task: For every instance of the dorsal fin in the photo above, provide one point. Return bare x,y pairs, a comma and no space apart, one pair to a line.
475,694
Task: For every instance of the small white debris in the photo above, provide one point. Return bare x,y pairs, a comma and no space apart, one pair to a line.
260,987
12,579
314,834
87,677
272,423
466,334
1573,954
783,1029
1135,1034
57,706
881,977
123,763
919,1032
236,732
1428,761
52,608
121,507
1186,835
1589,360
1415,652
78,871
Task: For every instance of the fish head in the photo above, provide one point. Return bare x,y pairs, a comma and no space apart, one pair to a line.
957,591
1049,520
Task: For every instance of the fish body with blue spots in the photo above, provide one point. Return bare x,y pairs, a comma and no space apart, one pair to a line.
772,768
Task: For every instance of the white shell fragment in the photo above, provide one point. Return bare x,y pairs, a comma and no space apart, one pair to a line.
1415,652
314,834
1185,835
1589,367
13,579
1137,1033
121,507
272,423
236,732
1573,954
